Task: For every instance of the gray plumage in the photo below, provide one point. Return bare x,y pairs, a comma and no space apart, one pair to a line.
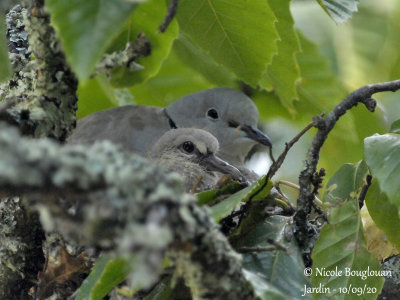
191,153
227,114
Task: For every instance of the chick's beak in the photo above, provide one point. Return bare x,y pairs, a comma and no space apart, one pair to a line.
214,163
256,135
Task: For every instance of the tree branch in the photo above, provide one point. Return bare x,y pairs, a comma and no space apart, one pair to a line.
41,100
126,58
120,202
307,177
45,87
172,8
278,163
364,190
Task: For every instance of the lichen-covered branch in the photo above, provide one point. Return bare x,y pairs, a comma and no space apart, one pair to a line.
172,9
40,99
21,256
308,180
45,88
102,197
21,235
126,58
16,36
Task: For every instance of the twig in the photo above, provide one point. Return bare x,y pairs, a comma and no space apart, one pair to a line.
273,247
256,249
271,155
141,46
275,166
364,190
280,246
196,184
296,187
278,163
307,176
172,9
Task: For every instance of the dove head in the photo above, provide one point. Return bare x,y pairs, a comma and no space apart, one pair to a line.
228,114
195,146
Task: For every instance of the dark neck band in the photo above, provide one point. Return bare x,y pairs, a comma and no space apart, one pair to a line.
170,121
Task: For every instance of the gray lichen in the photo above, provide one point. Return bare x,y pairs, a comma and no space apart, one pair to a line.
43,88
16,35
125,58
102,197
43,103
21,256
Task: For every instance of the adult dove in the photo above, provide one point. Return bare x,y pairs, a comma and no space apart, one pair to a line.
226,113
191,153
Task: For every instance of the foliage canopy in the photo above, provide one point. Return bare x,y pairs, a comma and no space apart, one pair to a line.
296,63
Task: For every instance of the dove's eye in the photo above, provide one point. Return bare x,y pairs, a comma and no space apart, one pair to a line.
188,147
212,114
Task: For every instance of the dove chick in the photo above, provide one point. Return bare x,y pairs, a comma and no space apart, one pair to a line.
191,153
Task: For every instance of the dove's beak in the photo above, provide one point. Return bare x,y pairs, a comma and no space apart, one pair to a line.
256,135
214,163
252,133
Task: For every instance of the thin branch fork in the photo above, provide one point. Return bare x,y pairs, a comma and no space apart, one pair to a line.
307,192
278,163
275,167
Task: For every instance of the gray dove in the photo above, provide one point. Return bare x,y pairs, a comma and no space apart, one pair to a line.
191,153
226,113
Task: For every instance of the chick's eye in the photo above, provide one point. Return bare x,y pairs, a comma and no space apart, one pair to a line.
188,147
212,113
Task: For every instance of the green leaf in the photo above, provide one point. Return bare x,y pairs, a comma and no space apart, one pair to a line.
162,291
341,246
395,128
240,35
319,85
174,80
94,95
284,71
193,56
274,270
106,275
5,67
146,18
382,153
263,289
224,208
339,10
209,196
361,61
206,197
86,28
319,89
117,97
383,213
348,179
